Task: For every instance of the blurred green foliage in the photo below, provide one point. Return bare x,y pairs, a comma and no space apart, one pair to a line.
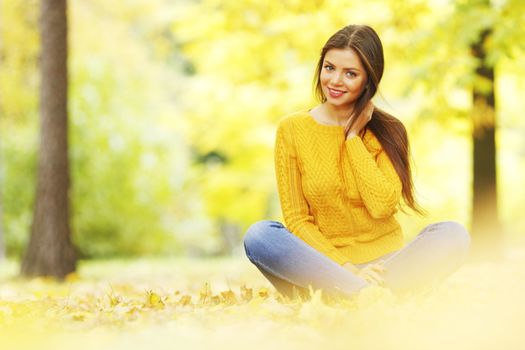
173,107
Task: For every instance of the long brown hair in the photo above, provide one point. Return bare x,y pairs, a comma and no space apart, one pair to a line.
390,131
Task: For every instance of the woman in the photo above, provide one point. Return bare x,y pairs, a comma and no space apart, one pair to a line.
342,168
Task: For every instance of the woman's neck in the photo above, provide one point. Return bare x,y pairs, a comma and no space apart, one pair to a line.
337,115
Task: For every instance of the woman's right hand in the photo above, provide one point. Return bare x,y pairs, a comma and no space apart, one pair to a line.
372,273
362,120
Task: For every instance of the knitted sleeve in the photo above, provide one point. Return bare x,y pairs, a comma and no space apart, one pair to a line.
294,206
376,178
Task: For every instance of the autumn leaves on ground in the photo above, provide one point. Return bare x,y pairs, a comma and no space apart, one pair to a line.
156,171
226,304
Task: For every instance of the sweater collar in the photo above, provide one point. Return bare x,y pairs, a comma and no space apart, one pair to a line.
369,139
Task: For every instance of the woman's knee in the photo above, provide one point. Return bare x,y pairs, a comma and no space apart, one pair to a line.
459,233
257,237
457,236
449,235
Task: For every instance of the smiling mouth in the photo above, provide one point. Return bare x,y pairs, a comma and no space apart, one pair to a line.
335,93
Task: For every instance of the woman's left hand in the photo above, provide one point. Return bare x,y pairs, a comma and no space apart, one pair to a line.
361,121
373,273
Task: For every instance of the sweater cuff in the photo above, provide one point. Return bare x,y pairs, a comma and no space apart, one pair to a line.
356,147
355,144
340,258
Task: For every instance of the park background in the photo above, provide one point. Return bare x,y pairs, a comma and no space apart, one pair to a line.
172,110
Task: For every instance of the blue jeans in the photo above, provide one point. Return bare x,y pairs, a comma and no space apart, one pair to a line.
291,264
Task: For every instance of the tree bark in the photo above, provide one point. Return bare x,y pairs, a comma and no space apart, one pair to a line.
2,240
486,226
230,236
50,251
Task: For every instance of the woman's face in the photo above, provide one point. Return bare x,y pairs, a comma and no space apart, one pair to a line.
342,77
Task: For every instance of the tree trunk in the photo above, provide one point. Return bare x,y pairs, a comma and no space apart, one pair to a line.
2,241
486,227
50,251
231,237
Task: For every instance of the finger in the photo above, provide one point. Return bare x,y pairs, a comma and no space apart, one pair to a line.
370,109
376,277
379,268
371,277
374,266
378,263
366,276
379,271
371,280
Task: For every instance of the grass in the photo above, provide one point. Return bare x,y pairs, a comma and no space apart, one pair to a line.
226,304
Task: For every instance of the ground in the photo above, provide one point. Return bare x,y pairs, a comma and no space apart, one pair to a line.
226,304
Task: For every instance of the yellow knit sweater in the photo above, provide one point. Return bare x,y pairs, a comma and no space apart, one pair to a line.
337,195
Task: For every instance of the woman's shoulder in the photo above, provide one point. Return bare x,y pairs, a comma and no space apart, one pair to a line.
299,117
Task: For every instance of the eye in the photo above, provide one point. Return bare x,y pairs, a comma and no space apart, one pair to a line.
328,67
351,74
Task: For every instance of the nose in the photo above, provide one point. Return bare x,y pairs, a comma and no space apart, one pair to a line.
336,79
